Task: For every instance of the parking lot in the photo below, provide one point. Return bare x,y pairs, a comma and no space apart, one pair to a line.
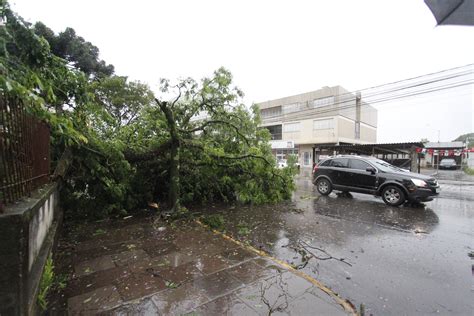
400,261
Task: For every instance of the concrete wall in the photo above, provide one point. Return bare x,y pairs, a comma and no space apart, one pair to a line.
470,160
346,128
27,233
307,135
301,98
368,133
323,136
346,105
296,135
368,115
40,224
343,130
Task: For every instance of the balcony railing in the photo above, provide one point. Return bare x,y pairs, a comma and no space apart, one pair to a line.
277,136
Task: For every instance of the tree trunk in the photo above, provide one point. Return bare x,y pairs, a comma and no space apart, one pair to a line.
174,177
63,165
173,193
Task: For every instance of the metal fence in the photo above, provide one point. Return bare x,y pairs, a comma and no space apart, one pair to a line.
24,151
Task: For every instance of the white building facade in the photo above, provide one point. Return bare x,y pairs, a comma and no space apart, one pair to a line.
331,115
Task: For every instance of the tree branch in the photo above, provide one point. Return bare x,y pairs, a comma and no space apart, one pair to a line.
94,151
179,96
63,164
207,123
242,157
206,164
305,246
134,157
190,116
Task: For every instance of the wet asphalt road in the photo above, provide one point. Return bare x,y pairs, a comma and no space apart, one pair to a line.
404,260
398,261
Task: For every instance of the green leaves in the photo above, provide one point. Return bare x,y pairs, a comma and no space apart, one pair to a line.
121,138
223,153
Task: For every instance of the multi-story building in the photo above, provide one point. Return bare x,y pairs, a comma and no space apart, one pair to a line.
331,115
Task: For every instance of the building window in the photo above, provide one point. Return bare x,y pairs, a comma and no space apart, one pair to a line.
323,124
275,131
322,102
291,127
290,108
271,112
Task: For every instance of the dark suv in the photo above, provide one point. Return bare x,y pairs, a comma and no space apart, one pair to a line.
373,176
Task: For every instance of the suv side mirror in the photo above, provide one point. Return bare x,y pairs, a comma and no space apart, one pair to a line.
370,169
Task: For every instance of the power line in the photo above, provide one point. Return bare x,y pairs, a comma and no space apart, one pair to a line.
386,93
366,96
299,115
405,80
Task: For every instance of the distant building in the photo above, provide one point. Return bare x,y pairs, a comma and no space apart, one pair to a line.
331,115
435,152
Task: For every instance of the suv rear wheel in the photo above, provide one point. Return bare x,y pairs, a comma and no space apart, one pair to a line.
393,195
323,186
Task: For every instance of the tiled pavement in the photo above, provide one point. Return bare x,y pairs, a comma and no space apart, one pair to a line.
144,269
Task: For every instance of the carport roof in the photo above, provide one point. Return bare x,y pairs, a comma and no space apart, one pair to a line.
445,145
370,149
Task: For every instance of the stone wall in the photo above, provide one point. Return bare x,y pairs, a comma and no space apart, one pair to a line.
27,233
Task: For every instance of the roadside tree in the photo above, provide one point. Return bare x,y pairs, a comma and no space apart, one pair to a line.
216,149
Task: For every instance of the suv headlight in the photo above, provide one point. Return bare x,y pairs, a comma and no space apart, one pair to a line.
419,183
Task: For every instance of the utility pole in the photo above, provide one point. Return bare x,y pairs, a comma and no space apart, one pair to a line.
439,156
357,116
437,166
466,146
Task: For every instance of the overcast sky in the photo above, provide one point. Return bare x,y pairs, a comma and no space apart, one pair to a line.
280,48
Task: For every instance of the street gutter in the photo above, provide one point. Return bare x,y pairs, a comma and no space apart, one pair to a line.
346,304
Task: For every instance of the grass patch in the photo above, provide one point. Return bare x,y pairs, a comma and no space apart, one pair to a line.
171,285
99,232
47,280
215,221
469,171
49,283
243,229
61,281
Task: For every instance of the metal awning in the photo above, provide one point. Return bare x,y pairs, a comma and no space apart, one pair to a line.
445,145
370,149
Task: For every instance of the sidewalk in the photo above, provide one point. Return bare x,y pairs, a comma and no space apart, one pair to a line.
458,177
141,268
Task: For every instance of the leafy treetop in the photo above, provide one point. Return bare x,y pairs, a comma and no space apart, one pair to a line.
77,51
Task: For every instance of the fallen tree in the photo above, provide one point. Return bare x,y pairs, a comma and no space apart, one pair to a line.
216,148
118,146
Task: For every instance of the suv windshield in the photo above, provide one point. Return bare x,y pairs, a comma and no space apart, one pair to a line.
385,166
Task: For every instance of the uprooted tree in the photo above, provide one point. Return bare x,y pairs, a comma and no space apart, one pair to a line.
216,149
195,142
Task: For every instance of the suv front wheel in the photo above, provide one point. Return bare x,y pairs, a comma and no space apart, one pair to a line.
323,186
393,195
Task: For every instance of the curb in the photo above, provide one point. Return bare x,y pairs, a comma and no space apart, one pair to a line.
346,304
455,182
